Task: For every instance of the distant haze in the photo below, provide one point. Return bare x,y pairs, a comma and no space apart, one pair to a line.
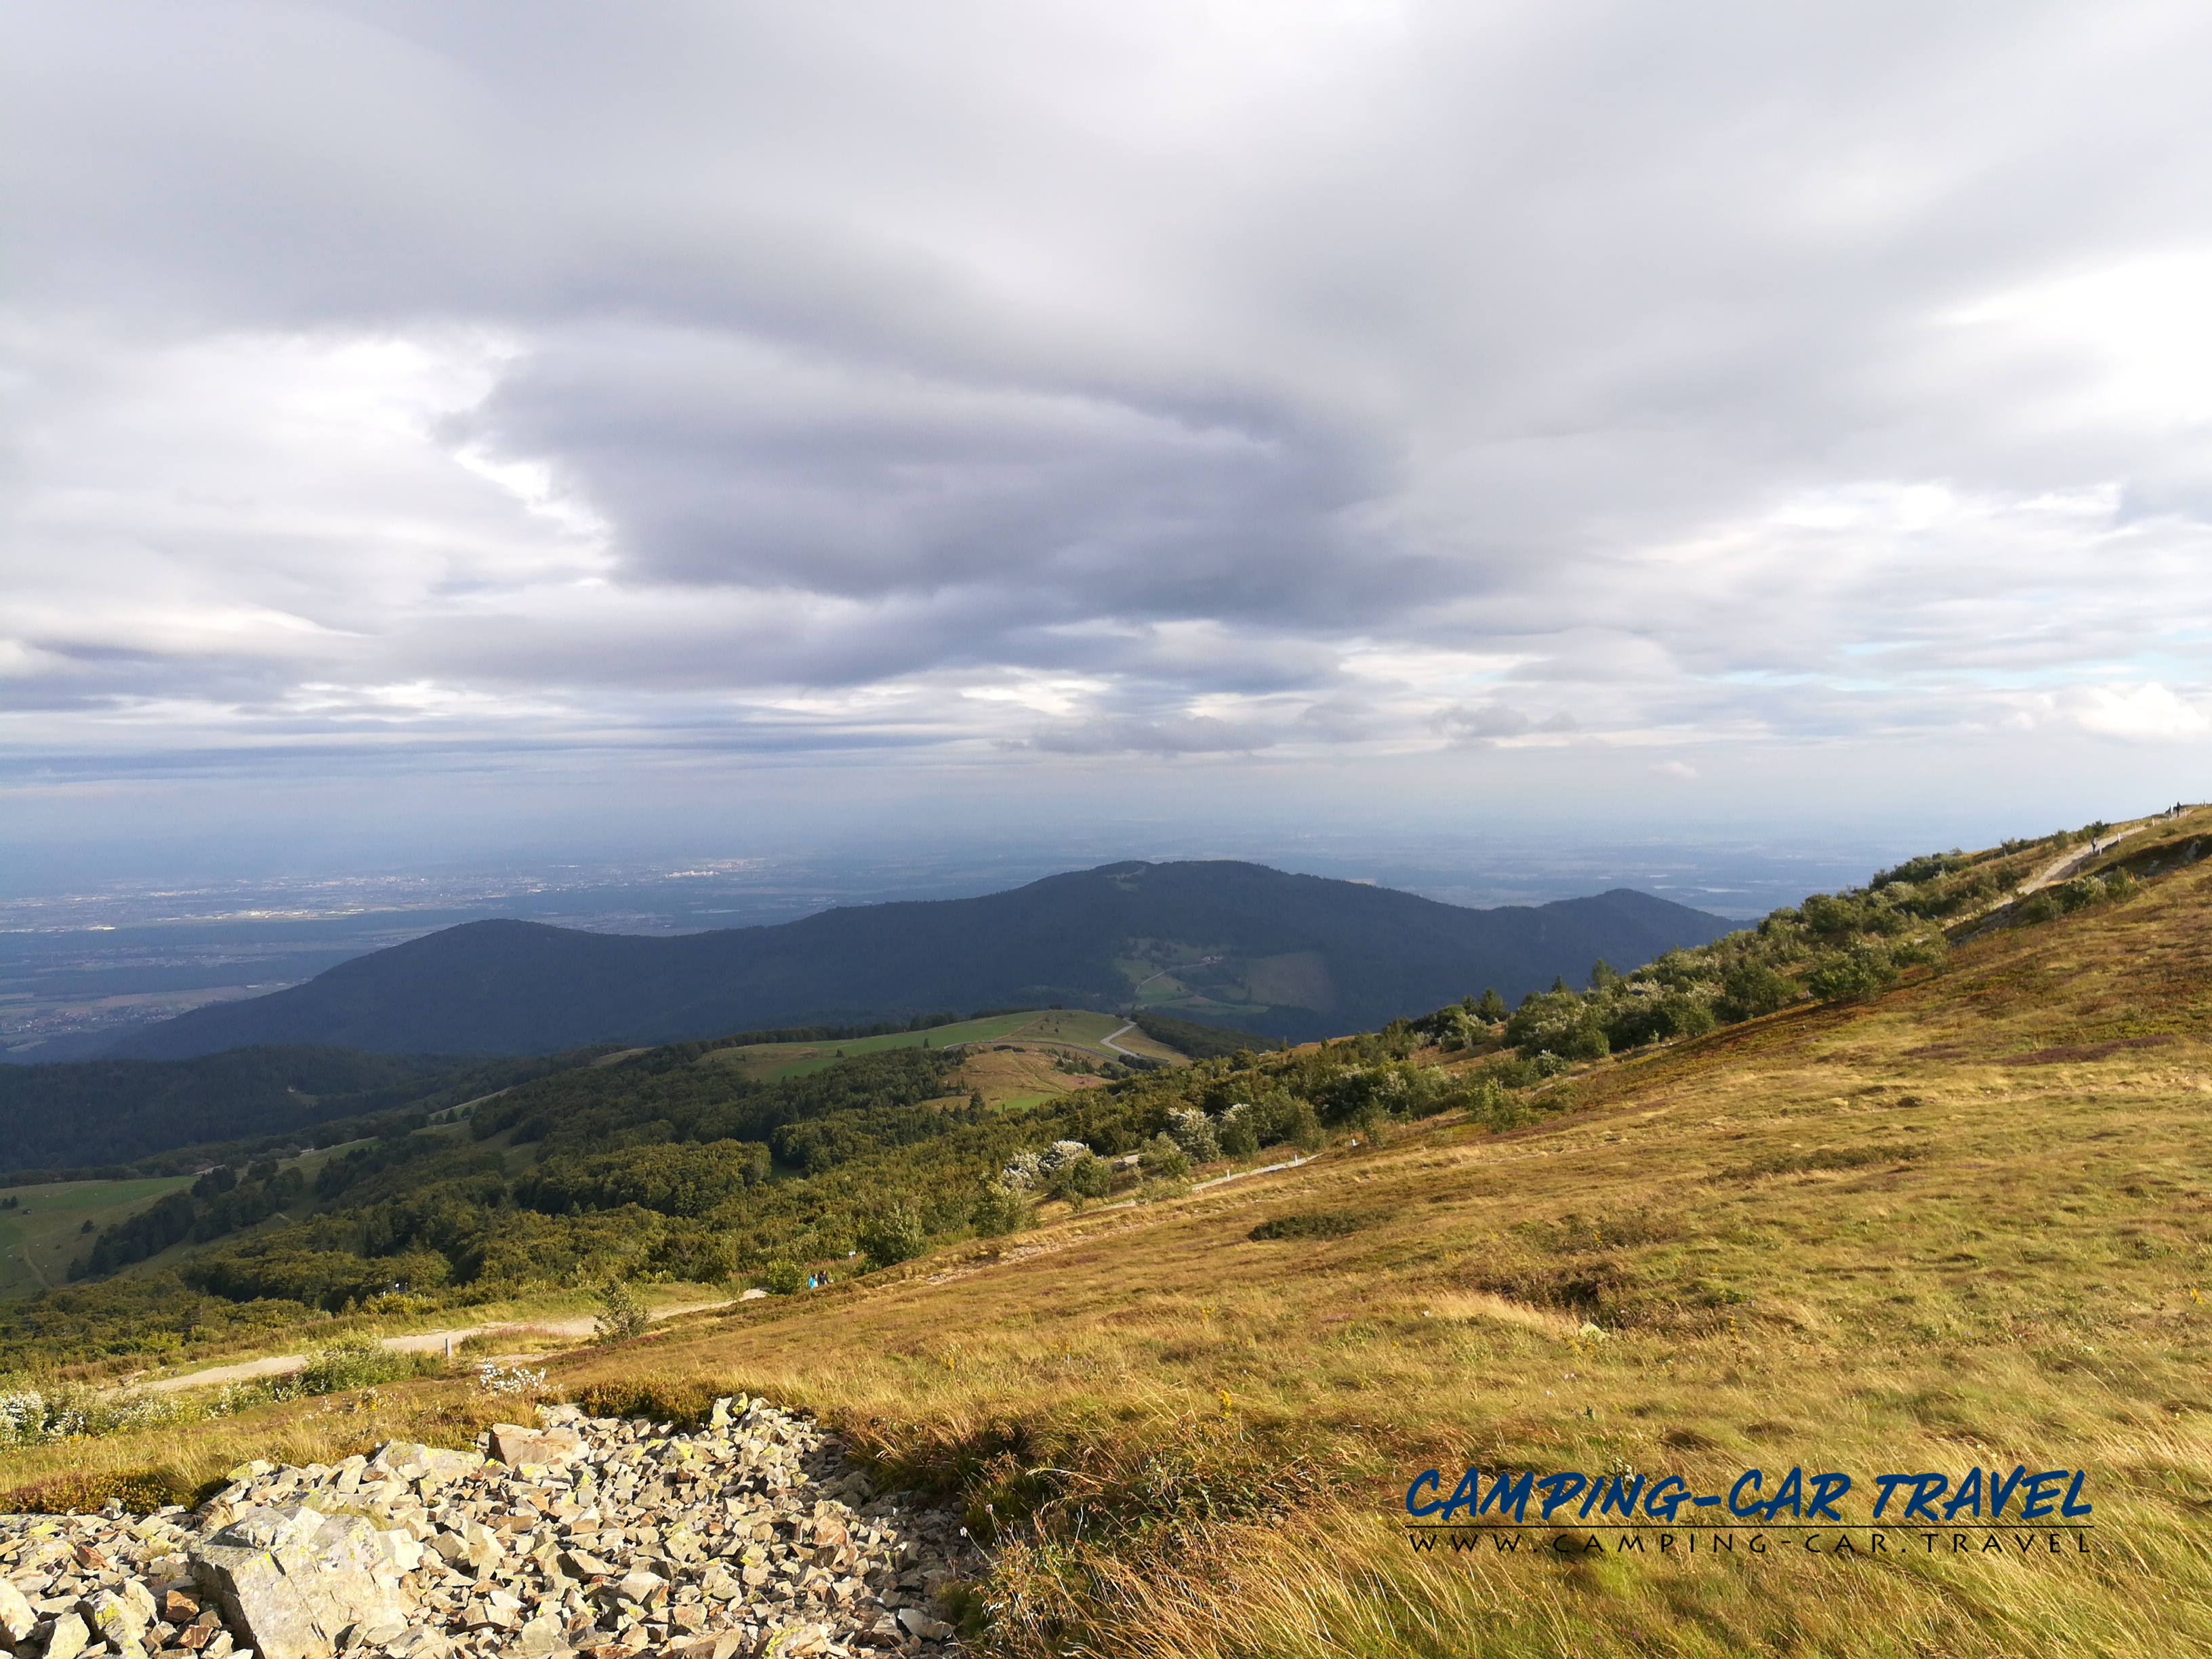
578,430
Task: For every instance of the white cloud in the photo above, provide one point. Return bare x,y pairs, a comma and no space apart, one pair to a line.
2142,713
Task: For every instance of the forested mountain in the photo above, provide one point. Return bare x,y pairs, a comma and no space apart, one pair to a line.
1234,943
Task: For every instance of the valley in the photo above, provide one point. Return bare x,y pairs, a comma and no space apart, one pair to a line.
1950,1215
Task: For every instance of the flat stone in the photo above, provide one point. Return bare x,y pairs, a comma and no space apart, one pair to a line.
552,1448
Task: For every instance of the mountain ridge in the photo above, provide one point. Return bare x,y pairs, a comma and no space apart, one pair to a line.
1287,956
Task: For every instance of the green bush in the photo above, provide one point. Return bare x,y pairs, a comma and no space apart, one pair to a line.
1495,1108
1853,976
1163,1158
139,1491
684,1405
1000,1211
353,1362
1080,1178
621,1316
892,1237
782,1279
1316,1224
1753,988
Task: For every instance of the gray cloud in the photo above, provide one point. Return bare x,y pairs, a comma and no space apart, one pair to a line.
1492,722
1199,735
989,385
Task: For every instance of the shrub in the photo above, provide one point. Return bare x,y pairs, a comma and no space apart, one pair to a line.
1855,975
1163,1158
893,1236
353,1362
1829,917
1000,1211
1495,1108
782,1279
1560,1022
1088,1176
686,1405
1316,1224
1752,989
1239,1133
621,1316
1190,1129
139,1491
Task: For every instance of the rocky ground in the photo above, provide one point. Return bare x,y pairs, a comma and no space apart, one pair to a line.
748,1538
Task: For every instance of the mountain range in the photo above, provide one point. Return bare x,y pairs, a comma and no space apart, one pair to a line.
1289,956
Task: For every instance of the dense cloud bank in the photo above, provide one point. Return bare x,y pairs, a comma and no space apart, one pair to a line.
1008,385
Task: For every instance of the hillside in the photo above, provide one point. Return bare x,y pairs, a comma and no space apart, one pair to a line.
69,1115
1282,955
1948,1216
84,1119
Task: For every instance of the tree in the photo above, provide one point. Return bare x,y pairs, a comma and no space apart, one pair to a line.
1491,1007
1603,976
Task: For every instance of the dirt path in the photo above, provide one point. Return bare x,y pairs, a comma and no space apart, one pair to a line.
420,1342
1125,1030
2066,863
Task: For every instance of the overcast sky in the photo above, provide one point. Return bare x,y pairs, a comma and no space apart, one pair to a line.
493,418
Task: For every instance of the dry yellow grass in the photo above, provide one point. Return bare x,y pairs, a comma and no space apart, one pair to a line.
1967,1224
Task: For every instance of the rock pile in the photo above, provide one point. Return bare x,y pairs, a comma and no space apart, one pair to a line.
594,1536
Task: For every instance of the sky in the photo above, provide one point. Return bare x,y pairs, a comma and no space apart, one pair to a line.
446,426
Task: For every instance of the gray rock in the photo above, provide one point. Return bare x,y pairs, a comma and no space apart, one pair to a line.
541,1636
16,1617
114,1619
516,1446
68,1638
293,1582
918,1623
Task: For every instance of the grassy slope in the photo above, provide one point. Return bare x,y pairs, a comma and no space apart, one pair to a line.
1997,1265
1076,1032
39,1241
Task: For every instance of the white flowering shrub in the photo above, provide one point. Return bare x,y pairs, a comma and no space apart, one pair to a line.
1193,1134
30,1418
22,1416
518,1379
1063,1153
1024,1174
